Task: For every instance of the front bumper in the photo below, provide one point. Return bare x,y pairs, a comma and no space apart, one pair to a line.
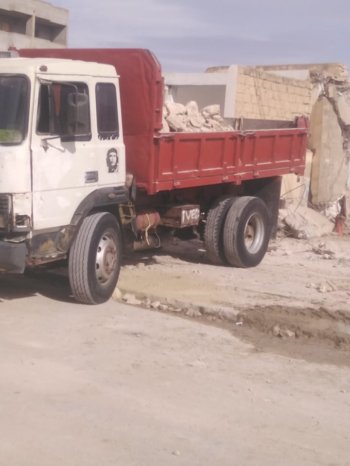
12,257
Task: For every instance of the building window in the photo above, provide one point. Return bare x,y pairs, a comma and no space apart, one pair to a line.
13,22
48,31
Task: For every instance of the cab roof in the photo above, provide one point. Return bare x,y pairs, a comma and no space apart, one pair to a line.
57,66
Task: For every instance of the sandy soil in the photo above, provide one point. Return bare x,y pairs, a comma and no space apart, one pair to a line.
215,366
118,385
300,292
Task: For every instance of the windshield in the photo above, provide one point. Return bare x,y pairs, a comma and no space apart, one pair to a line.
13,109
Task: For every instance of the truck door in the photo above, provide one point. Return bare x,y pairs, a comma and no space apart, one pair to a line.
64,166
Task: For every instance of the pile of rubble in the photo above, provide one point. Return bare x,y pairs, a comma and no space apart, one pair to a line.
301,222
189,119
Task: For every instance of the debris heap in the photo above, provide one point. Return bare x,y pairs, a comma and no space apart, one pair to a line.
189,119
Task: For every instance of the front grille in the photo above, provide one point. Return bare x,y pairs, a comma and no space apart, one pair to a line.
5,210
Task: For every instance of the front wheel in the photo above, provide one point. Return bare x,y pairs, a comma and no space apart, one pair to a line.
246,232
95,258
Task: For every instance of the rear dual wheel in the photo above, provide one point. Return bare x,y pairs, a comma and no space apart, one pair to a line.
246,232
237,233
214,226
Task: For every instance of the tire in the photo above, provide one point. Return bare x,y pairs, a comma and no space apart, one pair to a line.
213,232
246,232
95,258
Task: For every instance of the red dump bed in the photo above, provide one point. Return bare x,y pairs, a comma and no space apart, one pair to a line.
183,160
177,160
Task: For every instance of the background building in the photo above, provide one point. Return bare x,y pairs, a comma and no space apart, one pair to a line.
33,24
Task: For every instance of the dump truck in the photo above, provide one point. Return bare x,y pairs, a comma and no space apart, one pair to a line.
86,170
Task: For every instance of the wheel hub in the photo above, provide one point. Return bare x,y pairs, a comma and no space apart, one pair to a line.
106,259
254,233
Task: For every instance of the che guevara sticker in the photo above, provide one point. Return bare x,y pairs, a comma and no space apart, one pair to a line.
112,160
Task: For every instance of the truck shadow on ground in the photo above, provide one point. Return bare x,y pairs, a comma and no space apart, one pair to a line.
191,251
53,284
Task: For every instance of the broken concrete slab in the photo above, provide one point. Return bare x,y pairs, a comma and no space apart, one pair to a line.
329,168
306,223
210,111
175,108
192,108
176,122
188,118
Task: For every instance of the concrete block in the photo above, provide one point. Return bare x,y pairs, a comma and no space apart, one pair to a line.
329,168
306,223
192,108
197,120
174,108
211,110
176,122
187,118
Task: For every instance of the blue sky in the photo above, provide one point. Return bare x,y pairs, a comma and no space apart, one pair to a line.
190,35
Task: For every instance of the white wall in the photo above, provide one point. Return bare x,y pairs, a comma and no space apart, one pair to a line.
206,89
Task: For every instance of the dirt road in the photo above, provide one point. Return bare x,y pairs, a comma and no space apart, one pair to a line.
118,385
301,291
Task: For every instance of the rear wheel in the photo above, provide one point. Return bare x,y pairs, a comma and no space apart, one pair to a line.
213,233
94,259
246,232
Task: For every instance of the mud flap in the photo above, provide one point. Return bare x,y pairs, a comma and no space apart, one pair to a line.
12,257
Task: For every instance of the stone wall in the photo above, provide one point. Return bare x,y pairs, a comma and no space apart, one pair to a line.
261,95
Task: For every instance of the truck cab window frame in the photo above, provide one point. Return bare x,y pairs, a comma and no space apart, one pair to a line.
107,111
14,108
60,110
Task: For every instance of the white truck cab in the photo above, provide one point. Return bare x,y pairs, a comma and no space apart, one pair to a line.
62,170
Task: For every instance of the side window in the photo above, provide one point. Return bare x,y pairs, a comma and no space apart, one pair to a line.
63,110
43,125
107,111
